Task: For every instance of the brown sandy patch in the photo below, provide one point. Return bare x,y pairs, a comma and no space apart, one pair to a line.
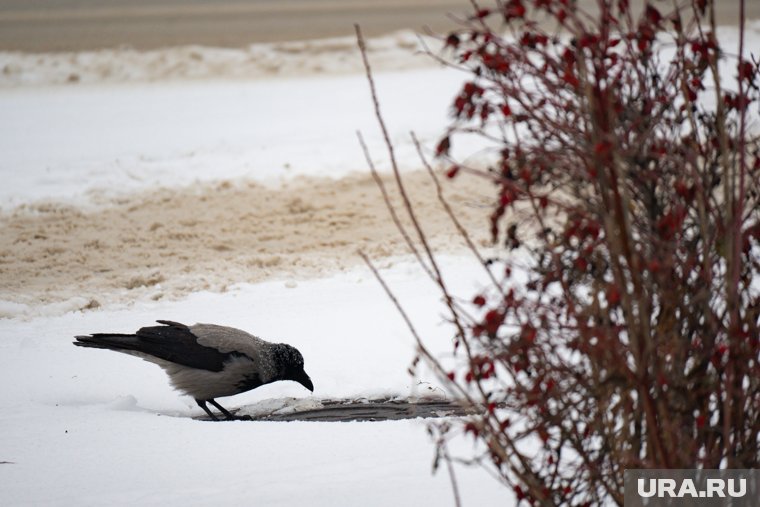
168,243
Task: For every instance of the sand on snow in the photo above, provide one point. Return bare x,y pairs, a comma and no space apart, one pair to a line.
169,243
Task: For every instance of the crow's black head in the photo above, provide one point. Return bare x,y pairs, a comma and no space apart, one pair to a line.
290,365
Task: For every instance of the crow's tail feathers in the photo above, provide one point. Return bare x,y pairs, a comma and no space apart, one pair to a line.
171,342
117,342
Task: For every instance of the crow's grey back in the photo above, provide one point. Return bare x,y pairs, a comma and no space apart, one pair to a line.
228,339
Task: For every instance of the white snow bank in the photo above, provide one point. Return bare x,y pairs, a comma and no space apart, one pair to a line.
12,309
400,50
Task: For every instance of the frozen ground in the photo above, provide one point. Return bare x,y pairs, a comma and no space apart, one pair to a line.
87,427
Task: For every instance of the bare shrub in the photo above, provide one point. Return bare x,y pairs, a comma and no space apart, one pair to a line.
621,327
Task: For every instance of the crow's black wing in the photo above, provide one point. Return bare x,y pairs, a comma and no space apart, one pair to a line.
172,342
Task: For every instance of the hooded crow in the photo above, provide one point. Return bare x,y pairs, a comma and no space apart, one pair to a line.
207,361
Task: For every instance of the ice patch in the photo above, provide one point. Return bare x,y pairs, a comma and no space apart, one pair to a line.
278,406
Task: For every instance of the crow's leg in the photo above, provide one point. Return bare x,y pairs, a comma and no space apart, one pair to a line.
226,413
222,409
202,404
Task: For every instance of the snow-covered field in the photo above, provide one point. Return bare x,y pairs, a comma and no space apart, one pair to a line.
116,137
89,427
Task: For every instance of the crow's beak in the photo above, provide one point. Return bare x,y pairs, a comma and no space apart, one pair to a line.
302,378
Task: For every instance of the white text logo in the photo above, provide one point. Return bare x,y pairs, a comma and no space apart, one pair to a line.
715,488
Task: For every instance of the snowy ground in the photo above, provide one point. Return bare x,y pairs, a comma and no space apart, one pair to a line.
88,427
116,137
83,427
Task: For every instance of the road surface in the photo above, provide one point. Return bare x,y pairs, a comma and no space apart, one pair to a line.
75,25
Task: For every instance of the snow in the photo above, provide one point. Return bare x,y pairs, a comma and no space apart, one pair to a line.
106,136
128,129
115,138
399,50
11,309
147,460
98,428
